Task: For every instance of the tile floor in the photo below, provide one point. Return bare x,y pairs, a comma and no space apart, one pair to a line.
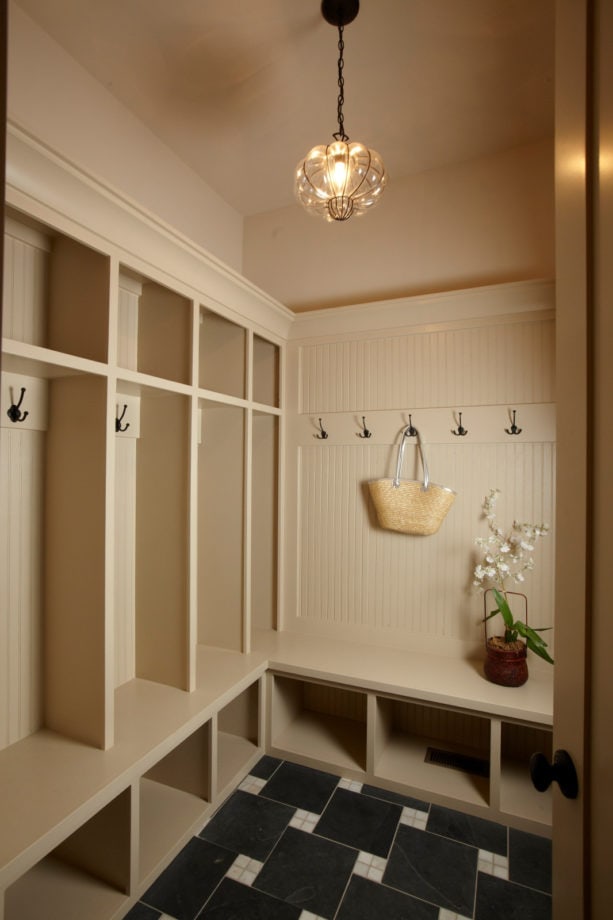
298,844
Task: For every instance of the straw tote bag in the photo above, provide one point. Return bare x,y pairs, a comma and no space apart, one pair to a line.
408,505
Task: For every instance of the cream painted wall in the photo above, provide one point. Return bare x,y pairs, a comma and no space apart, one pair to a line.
56,100
480,222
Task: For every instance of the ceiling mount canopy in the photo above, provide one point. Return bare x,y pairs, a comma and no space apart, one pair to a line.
337,180
340,12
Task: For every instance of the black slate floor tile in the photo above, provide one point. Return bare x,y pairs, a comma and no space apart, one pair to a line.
360,821
395,797
307,871
301,787
265,767
233,901
497,898
478,832
530,860
433,868
313,871
248,824
366,900
142,912
189,880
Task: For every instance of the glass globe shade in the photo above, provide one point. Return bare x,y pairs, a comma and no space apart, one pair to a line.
339,180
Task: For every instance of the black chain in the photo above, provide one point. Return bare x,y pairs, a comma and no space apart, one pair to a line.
340,134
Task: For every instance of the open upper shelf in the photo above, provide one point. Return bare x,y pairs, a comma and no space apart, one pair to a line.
266,371
154,335
51,282
223,355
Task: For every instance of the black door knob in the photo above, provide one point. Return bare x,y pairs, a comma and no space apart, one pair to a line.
562,771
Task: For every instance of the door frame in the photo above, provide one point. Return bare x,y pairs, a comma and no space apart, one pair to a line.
583,684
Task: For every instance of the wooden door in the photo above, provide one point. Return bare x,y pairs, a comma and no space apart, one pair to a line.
583,689
599,860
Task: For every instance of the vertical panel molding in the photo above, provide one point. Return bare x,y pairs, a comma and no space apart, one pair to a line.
476,365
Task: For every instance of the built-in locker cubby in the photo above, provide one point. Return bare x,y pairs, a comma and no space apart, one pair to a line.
87,875
76,690
174,797
154,331
265,372
223,355
151,536
139,486
320,724
56,291
264,520
432,749
52,570
518,796
238,736
22,491
221,517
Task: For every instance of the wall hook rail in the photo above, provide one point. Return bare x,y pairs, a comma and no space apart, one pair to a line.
513,429
14,411
461,432
324,434
119,420
364,433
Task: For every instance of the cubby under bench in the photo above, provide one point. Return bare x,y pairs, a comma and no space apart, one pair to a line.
424,725
86,831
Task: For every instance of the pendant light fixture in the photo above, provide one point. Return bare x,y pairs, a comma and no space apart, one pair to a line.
337,180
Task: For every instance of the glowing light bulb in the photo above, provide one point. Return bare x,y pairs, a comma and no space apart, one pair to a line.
339,174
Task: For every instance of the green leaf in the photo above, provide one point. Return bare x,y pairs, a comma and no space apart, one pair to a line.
529,633
539,650
505,610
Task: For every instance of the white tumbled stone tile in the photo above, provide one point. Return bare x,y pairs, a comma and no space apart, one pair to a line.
253,784
412,817
304,820
351,784
367,865
493,864
244,869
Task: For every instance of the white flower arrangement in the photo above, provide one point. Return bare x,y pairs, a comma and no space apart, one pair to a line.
505,556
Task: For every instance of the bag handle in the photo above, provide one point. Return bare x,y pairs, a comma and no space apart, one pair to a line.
410,431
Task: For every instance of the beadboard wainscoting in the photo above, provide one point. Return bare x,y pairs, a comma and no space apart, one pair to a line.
125,556
353,578
21,458
497,361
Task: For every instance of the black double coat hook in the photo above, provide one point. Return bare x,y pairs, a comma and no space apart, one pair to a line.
118,421
14,411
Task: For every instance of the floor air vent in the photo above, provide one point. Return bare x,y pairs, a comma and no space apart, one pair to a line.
475,765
